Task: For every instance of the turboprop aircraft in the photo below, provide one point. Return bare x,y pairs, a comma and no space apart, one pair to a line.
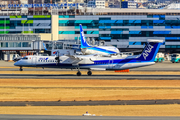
94,61
88,49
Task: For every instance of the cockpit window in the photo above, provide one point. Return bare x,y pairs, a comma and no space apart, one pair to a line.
25,58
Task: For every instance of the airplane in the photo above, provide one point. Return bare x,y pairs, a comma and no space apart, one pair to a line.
88,49
94,61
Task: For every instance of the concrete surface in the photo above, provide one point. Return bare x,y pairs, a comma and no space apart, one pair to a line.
56,117
89,103
165,66
84,77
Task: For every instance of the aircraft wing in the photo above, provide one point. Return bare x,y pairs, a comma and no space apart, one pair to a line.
75,57
87,58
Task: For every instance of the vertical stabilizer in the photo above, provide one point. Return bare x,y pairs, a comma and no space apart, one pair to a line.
150,51
84,44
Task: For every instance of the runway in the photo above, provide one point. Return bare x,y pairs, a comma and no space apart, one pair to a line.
89,103
83,77
59,117
164,66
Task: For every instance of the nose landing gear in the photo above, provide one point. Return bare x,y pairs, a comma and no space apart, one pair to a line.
20,68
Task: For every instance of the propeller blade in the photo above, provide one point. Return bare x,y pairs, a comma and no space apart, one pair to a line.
57,59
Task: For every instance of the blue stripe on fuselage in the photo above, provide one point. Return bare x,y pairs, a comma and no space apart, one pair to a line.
96,62
116,61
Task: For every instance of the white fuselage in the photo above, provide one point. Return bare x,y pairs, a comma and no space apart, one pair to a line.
103,50
95,62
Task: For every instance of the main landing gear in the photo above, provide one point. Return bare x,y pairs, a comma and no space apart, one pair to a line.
20,68
78,73
89,73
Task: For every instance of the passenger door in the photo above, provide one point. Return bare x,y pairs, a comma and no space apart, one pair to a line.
110,66
33,60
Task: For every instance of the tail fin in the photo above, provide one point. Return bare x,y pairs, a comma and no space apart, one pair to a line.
84,44
150,51
44,46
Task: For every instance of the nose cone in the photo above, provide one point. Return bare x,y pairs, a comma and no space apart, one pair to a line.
16,64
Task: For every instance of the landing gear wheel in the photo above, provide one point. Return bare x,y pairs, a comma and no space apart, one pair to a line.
78,73
20,69
89,73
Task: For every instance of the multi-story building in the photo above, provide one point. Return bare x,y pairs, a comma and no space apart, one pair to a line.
127,29
100,3
96,3
22,34
7,2
132,5
91,4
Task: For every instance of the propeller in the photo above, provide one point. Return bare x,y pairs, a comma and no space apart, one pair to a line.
57,59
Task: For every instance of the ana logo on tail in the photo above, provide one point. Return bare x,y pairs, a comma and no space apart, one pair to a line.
82,33
146,52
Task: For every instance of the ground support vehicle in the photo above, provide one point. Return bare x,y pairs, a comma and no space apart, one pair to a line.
175,58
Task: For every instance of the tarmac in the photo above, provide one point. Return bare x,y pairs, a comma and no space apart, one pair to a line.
59,117
164,66
84,77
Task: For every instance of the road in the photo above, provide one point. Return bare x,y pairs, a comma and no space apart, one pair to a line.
58,117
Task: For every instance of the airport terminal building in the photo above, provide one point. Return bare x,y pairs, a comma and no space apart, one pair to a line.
127,29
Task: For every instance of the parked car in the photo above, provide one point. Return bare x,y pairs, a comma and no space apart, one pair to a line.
16,57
